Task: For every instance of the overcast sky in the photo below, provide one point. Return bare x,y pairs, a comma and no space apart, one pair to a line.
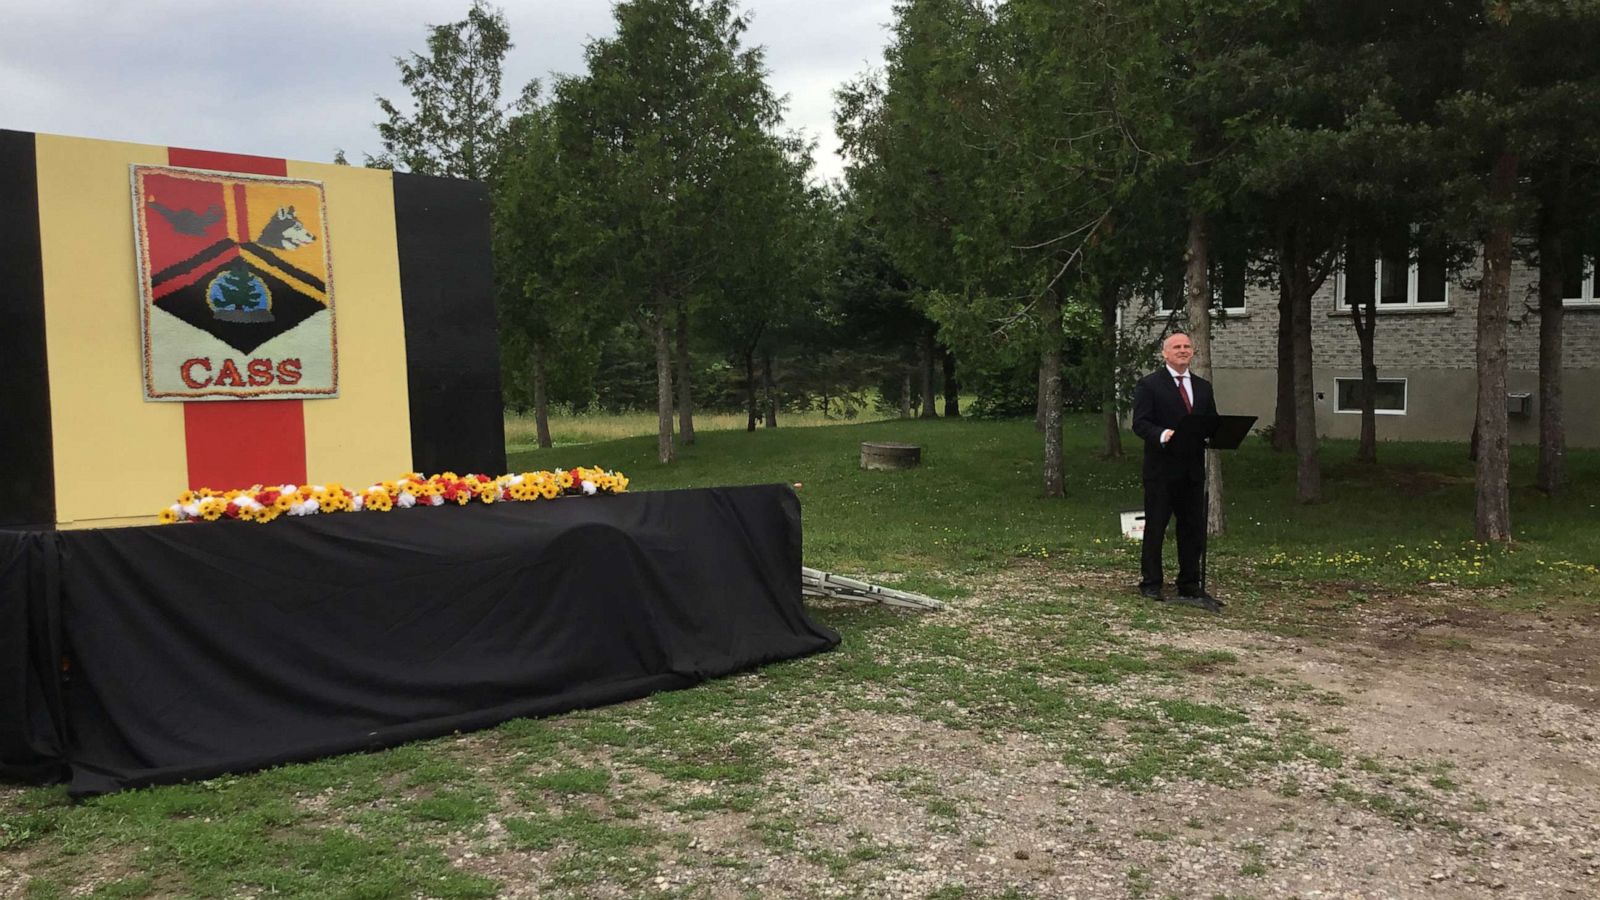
296,78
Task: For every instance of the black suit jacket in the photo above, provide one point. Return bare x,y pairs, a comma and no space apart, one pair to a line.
1157,407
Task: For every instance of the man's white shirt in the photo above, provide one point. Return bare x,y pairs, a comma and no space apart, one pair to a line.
1181,378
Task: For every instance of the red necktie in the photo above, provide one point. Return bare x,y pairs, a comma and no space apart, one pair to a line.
1187,406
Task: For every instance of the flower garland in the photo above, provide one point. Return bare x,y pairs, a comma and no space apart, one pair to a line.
263,503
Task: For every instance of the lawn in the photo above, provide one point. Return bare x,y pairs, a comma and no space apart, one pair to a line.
974,503
967,753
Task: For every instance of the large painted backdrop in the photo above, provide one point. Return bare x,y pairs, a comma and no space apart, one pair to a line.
377,288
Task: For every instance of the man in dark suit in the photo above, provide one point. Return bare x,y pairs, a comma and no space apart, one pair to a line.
1174,477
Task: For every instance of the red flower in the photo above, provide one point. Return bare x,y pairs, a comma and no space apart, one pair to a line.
231,510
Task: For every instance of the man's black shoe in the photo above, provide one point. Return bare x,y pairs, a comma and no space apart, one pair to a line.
1151,593
1200,599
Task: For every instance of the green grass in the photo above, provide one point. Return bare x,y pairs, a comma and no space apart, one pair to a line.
974,505
586,794
569,428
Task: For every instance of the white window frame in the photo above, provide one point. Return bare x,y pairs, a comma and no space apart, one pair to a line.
1405,395
1589,291
1377,288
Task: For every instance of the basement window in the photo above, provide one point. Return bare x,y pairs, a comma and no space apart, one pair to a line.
1389,399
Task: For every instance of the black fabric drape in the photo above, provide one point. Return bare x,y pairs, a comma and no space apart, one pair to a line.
200,649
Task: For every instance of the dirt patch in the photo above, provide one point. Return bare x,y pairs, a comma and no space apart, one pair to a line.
1471,769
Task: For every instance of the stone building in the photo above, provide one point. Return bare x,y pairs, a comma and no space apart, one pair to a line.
1425,347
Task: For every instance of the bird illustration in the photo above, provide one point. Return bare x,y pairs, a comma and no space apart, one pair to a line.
187,221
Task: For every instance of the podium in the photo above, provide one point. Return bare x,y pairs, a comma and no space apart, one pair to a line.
1197,432
1202,431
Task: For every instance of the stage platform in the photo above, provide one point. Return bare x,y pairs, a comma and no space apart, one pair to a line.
158,654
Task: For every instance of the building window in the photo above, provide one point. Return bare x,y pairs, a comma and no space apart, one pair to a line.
1229,272
1225,276
1398,280
1172,284
1388,400
1578,280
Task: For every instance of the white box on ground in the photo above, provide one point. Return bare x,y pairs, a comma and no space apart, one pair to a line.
1133,524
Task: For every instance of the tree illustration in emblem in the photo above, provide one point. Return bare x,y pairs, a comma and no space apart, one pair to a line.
238,295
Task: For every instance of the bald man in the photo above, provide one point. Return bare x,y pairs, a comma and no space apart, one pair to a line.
1174,478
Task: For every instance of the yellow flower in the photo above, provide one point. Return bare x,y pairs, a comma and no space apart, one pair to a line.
211,509
564,479
167,516
186,498
283,502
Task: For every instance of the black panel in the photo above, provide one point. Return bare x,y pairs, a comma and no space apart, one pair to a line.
388,627
28,490
452,352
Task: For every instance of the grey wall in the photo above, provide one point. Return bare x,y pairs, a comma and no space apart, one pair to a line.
1434,349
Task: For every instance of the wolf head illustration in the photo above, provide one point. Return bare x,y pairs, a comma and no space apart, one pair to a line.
284,231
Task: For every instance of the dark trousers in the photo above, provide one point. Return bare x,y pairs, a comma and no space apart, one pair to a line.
1180,494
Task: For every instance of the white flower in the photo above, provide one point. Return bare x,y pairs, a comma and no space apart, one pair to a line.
192,510
357,502
288,489
588,486
405,500
436,500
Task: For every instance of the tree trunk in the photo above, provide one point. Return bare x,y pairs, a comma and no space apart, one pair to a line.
1308,468
1197,306
1493,514
929,411
952,388
664,448
750,388
1050,377
772,389
1108,364
541,400
1040,404
1360,293
1109,296
1283,420
905,396
1552,478
685,397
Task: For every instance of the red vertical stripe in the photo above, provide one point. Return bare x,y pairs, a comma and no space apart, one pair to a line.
227,162
237,443
241,213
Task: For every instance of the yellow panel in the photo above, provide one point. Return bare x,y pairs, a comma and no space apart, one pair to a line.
116,456
365,434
